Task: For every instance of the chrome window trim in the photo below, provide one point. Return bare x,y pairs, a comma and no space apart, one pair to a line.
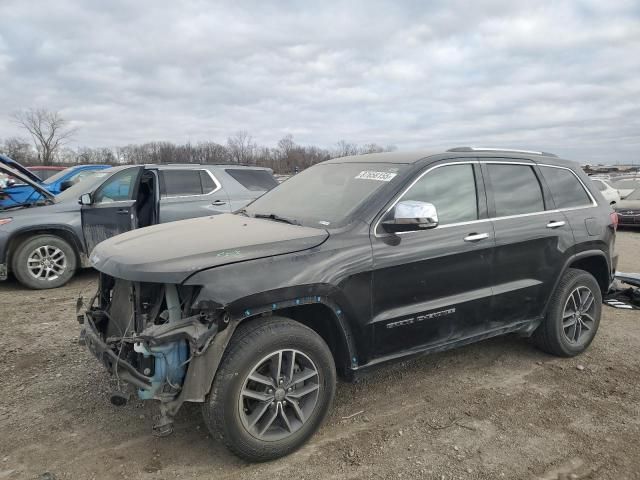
482,220
215,181
593,200
400,195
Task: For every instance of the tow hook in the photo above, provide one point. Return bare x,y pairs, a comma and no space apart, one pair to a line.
118,398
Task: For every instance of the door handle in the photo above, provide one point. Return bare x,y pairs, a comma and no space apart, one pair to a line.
553,224
122,211
475,237
217,203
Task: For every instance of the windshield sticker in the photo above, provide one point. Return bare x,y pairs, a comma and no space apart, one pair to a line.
379,176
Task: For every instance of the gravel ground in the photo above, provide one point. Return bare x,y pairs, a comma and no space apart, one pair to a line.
498,409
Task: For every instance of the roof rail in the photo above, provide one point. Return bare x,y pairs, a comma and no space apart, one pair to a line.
216,164
492,149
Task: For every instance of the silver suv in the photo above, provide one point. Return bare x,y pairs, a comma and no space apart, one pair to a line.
44,244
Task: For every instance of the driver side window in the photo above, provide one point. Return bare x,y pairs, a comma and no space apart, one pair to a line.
119,187
451,189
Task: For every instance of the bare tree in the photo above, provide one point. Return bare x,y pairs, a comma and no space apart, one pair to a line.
48,129
344,149
19,149
241,147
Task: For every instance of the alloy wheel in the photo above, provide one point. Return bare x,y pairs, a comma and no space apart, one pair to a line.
578,316
47,263
279,395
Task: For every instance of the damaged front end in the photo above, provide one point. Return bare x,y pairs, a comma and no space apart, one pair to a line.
152,337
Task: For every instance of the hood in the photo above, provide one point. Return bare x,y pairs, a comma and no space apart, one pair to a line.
11,163
4,168
171,252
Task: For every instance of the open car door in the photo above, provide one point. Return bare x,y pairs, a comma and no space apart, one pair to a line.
111,208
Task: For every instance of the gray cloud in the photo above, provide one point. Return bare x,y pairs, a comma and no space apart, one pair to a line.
557,76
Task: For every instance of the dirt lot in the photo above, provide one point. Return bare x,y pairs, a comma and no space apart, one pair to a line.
499,409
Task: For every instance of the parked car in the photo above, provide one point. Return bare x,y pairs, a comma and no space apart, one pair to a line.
44,243
348,265
626,185
628,210
45,172
609,193
22,193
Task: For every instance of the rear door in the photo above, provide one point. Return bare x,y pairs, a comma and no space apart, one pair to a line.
577,204
190,193
433,287
531,240
113,208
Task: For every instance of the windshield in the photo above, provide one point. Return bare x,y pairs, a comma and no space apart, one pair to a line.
326,194
59,175
87,184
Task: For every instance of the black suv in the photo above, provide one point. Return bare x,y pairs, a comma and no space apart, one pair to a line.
352,263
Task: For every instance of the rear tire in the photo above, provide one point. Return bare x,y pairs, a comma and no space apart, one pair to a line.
573,316
276,351
44,261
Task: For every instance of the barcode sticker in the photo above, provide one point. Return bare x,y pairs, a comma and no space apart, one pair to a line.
379,176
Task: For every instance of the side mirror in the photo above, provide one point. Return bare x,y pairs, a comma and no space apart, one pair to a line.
85,199
66,184
11,182
412,215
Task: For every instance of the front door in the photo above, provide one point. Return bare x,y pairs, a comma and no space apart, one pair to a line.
433,287
531,240
113,208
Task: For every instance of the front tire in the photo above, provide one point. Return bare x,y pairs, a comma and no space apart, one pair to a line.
44,261
273,389
573,316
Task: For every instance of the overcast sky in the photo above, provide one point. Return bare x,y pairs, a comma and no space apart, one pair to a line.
557,76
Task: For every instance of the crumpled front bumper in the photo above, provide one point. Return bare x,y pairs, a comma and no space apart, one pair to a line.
118,367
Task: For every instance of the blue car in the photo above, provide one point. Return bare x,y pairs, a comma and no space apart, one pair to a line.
21,194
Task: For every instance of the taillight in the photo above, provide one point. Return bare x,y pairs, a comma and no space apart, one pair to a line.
614,220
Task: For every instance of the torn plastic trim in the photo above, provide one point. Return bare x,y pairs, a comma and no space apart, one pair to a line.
629,278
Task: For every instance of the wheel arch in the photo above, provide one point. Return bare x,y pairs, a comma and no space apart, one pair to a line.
321,315
67,234
594,262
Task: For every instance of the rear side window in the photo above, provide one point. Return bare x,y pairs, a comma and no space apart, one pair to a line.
255,180
451,189
565,187
516,190
178,183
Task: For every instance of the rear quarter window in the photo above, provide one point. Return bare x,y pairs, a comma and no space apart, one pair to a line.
566,189
255,180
